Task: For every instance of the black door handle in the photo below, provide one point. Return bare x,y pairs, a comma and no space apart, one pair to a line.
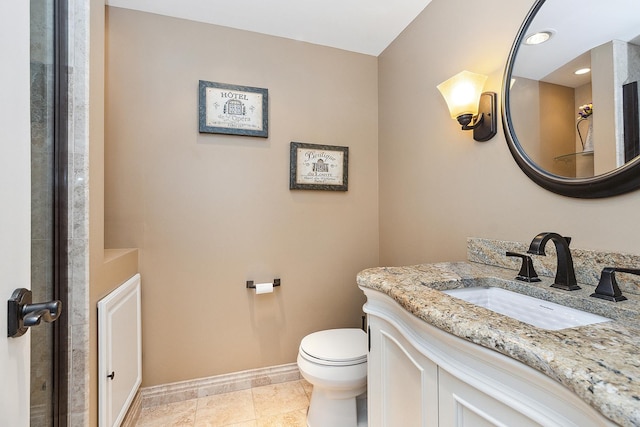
22,314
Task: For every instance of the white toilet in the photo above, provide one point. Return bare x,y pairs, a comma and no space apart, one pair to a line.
335,363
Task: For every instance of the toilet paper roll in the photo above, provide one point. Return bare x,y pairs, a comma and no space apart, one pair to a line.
264,288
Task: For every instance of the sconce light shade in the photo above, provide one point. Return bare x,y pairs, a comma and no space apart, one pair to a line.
462,93
471,107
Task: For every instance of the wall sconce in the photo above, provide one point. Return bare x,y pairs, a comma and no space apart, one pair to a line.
473,109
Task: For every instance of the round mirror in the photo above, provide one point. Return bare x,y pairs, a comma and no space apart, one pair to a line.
570,98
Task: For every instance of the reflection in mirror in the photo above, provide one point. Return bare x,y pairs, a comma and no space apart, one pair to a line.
546,94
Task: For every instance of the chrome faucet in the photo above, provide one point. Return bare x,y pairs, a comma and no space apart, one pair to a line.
565,273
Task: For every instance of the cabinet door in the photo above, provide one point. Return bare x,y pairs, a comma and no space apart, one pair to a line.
403,384
462,405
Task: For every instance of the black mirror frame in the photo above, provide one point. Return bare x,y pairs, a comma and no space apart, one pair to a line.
619,181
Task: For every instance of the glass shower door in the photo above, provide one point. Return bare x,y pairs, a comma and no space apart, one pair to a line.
48,208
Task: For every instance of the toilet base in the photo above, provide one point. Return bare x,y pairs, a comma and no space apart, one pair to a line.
327,411
361,405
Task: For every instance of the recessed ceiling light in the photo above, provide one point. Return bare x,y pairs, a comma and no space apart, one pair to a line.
582,71
539,37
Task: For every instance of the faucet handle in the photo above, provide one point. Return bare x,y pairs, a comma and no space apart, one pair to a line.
526,273
608,288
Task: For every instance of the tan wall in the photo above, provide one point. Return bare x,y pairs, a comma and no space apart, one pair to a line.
108,268
438,186
557,129
525,116
209,212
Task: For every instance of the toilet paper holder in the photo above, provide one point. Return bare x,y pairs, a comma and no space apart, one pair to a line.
252,285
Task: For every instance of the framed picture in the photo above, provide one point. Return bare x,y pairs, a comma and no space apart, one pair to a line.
233,110
318,167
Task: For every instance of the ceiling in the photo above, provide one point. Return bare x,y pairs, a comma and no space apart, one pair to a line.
363,26
576,30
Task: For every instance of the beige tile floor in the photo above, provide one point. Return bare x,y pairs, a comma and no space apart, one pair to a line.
276,405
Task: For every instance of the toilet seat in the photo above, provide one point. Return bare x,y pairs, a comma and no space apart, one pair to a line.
335,347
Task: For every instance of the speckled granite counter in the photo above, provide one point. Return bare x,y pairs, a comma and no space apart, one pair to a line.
598,362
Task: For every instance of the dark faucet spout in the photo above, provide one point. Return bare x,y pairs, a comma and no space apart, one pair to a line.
565,273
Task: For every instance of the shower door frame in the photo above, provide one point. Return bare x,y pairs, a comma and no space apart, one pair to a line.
60,210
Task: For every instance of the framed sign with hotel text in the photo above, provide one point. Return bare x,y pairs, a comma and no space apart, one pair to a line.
233,110
318,167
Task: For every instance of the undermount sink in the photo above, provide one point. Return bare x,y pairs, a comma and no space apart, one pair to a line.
534,311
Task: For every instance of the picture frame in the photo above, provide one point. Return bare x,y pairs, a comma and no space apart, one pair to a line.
233,110
318,167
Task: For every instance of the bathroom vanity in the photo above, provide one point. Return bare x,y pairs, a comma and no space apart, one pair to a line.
436,360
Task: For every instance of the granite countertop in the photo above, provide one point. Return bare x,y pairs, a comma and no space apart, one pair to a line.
598,362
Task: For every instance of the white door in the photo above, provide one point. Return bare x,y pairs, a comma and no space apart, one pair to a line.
15,211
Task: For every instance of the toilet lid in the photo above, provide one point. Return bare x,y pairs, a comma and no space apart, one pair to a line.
336,345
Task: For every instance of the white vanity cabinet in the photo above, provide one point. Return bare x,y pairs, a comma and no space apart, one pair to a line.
464,405
402,382
422,376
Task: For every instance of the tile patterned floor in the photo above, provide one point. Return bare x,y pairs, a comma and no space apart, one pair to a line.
276,405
